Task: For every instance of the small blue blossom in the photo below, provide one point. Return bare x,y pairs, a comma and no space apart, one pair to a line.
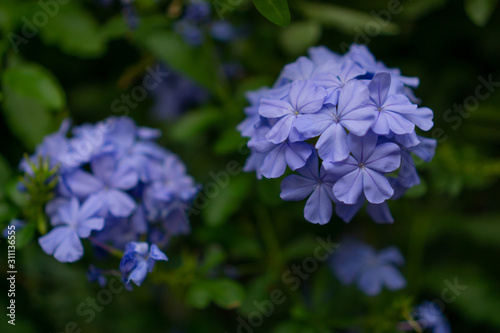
139,259
107,183
332,121
95,274
356,262
175,95
363,171
316,182
304,98
430,317
74,222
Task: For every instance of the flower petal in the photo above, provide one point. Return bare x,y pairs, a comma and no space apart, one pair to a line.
318,207
295,188
376,187
348,189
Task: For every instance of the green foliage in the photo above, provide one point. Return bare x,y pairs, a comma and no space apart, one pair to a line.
275,11
31,92
224,292
73,20
171,49
480,11
298,37
347,20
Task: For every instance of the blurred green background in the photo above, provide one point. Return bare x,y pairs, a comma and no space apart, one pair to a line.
447,228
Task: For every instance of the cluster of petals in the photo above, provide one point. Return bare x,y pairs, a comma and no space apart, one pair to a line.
347,126
118,186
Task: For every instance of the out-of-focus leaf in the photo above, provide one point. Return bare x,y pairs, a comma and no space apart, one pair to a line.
259,289
35,82
115,28
479,11
224,199
18,198
30,92
75,31
469,285
18,109
293,327
348,20
171,48
485,229
25,235
213,257
416,9
228,142
7,213
198,295
276,11
225,293
417,191
299,36
194,123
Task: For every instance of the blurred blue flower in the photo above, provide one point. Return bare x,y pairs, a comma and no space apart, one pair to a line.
196,23
176,94
95,274
74,222
430,317
356,262
108,183
139,259
130,188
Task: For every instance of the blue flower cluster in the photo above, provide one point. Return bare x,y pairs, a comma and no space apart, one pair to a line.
116,187
196,22
351,113
357,262
176,94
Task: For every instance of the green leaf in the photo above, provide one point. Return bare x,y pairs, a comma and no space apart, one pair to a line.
75,31
214,256
171,48
18,109
416,9
226,199
195,122
7,213
229,142
35,82
25,235
298,37
198,295
276,11
479,11
348,20
30,92
225,293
